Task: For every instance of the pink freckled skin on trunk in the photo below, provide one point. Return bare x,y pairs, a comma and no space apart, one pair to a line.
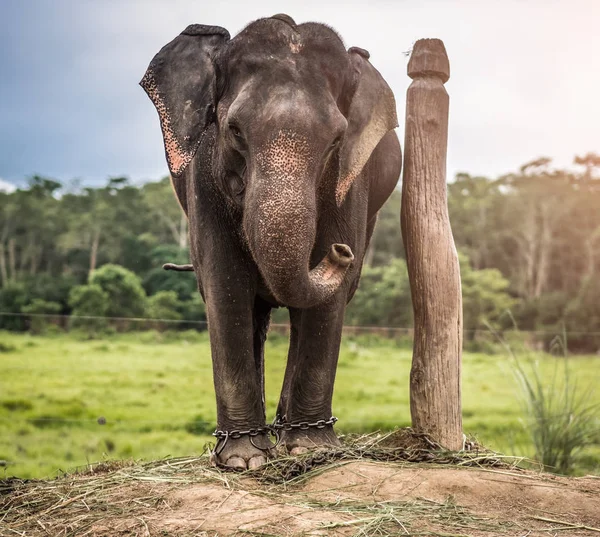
281,166
281,223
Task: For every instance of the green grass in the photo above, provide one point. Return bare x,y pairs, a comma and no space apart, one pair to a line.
156,393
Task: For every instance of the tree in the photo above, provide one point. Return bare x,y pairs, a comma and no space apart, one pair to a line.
472,205
100,220
157,279
386,242
162,203
485,297
590,179
29,222
538,201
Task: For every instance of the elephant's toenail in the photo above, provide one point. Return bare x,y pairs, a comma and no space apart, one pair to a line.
237,463
255,462
298,450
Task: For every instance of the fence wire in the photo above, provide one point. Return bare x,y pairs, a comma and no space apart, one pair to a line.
406,330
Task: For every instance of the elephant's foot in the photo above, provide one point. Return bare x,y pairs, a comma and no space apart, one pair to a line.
242,453
298,441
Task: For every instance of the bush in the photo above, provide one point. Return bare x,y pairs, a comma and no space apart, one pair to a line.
164,306
13,297
582,318
545,313
51,288
383,297
183,283
126,296
89,304
194,310
38,308
7,347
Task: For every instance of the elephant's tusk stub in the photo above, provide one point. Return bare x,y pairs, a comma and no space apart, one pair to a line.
178,268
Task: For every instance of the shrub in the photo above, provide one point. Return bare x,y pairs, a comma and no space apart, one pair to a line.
16,405
50,287
582,318
13,297
383,297
7,347
38,308
89,304
157,279
545,313
194,310
164,306
126,296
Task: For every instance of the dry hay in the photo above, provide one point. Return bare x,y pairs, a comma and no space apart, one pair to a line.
399,483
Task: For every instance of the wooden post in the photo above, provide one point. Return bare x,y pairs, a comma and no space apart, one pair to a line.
433,269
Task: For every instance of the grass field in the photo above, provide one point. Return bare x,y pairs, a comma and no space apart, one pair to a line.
155,393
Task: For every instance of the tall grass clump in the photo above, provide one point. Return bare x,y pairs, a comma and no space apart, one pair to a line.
559,416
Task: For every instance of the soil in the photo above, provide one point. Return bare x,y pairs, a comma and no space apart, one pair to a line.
345,498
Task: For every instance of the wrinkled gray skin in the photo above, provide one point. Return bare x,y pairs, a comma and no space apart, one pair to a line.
281,149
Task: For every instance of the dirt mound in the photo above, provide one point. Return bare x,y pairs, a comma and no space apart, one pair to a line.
334,495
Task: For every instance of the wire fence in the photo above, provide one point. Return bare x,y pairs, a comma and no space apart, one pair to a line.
478,339
392,330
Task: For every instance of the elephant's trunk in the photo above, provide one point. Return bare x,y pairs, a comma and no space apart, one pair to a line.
312,287
280,226
298,287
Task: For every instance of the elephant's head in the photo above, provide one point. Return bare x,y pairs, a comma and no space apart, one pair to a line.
288,101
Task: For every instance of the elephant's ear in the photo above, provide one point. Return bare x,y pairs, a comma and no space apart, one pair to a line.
180,83
371,115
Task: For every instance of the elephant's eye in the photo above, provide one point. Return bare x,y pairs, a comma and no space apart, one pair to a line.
235,131
336,142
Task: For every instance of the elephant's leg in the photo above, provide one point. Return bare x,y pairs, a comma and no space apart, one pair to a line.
261,319
310,374
237,377
292,362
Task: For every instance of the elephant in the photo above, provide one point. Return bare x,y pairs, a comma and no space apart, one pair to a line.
281,148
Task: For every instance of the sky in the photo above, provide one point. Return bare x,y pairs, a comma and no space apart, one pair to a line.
525,77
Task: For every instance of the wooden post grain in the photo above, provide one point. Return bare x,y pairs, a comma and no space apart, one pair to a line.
433,269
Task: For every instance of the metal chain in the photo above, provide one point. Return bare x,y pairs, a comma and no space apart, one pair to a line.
238,434
223,436
274,429
281,425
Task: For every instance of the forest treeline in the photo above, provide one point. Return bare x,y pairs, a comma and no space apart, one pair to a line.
529,247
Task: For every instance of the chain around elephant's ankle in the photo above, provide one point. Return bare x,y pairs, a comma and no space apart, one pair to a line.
223,436
281,425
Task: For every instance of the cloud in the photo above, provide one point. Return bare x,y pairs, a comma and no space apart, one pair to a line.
524,77
5,186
